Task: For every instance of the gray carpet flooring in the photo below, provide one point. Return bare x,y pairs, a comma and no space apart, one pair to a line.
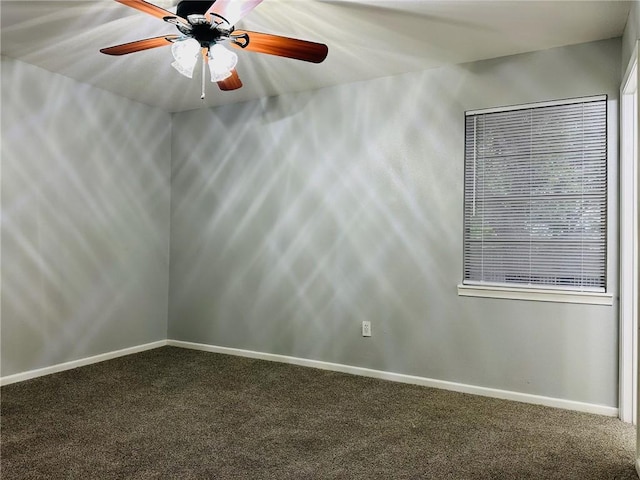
175,413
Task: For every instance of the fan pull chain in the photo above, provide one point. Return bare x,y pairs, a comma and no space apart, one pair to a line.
205,60
203,72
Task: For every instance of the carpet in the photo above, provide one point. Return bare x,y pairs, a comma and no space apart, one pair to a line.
184,414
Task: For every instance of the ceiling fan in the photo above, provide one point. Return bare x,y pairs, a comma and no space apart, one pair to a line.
203,27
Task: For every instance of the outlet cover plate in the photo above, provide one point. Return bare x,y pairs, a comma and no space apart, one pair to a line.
366,328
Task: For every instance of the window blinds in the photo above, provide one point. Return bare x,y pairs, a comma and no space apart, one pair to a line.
536,196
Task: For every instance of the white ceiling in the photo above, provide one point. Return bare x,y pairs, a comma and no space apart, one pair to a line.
366,39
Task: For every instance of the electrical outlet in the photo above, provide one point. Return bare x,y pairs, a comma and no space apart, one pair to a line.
366,328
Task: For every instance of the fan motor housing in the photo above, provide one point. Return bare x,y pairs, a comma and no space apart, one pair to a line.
201,28
188,7
203,33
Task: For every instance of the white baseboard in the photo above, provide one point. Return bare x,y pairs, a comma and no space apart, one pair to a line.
60,367
336,367
399,377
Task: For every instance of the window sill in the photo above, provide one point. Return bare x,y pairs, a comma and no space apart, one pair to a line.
537,295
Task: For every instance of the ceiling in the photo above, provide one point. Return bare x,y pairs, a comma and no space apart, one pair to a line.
366,39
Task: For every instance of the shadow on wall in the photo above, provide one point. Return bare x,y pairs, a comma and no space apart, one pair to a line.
294,219
85,207
313,221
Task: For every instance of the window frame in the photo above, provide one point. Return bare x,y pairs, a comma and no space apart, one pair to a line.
548,293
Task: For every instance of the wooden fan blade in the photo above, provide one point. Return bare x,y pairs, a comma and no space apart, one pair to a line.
139,45
231,10
152,9
231,83
283,46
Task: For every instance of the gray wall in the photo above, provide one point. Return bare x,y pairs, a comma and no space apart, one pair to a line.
631,34
295,218
85,220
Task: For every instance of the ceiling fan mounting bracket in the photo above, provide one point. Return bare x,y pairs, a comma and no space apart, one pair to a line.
175,21
221,25
240,39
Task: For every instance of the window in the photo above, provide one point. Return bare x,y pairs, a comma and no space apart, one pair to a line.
535,196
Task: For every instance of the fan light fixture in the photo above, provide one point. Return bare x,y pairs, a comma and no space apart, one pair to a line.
185,53
221,60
